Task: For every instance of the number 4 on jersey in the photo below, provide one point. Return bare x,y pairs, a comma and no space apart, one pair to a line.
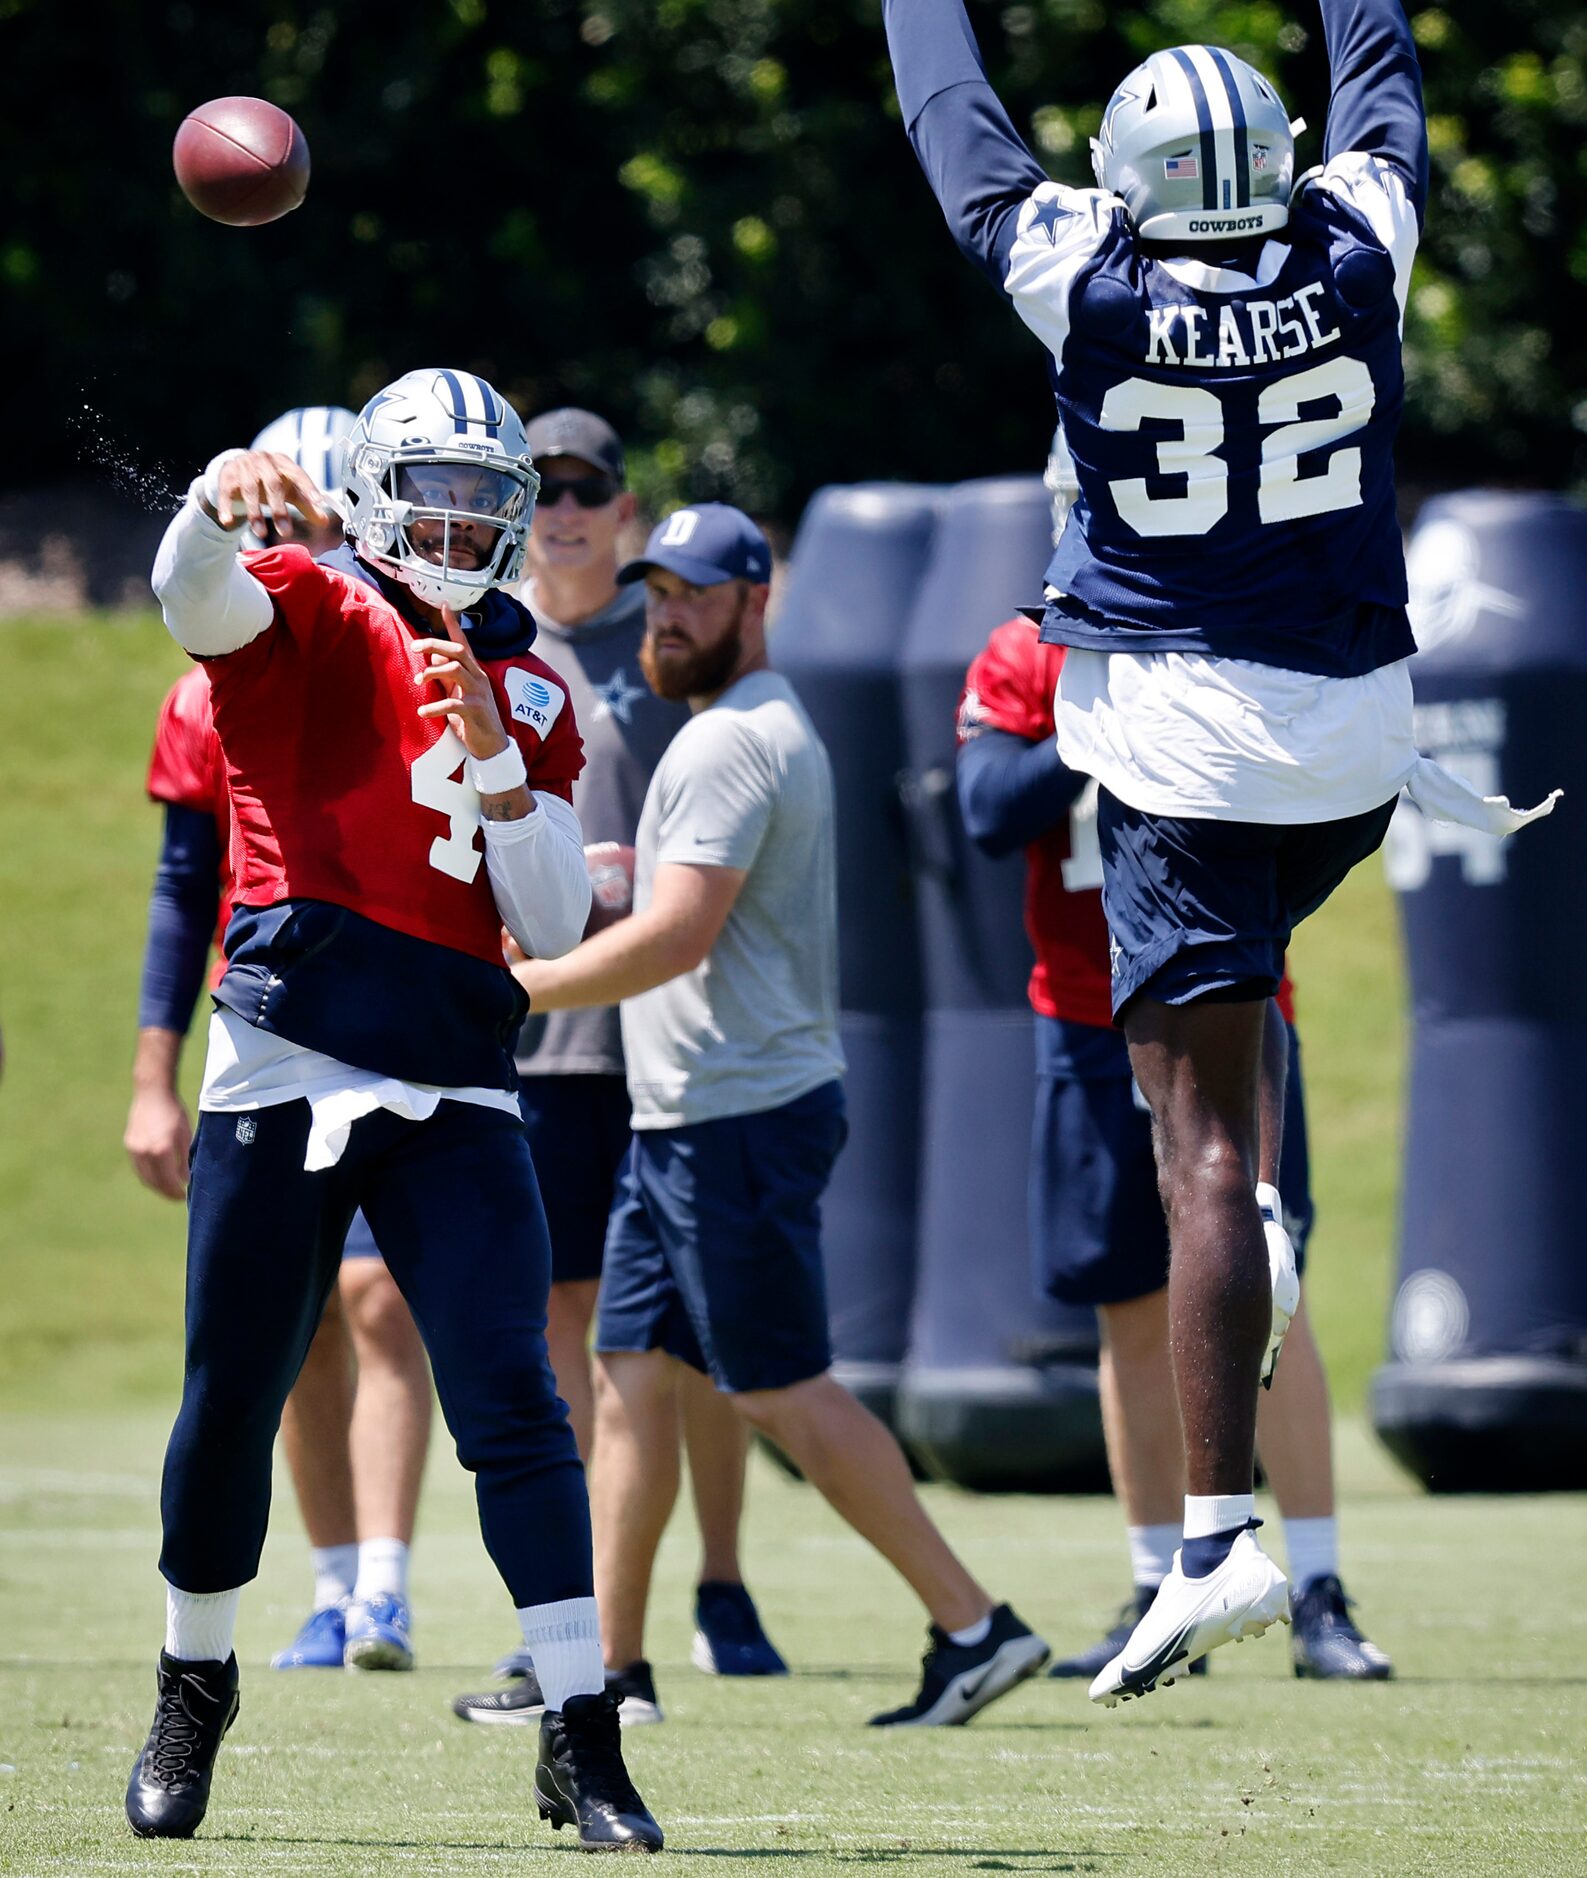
438,783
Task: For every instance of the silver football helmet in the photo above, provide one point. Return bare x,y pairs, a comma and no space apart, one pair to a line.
315,437
1199,146
440,488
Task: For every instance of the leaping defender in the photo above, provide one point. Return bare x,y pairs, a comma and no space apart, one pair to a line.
1225,351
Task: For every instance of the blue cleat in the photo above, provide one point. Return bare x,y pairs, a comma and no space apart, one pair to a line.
319,1644
377,1634
728,1639
1325,1641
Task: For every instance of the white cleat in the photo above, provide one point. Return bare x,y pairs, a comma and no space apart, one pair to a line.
1281,1269
1190,1616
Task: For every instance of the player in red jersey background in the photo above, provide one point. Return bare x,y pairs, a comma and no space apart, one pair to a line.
1097,1228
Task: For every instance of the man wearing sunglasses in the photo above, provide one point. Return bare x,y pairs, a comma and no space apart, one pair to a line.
570,1063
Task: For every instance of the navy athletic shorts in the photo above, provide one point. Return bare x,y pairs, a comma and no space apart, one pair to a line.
578,1137
1205,909
360,1241
714,1251
1097,1230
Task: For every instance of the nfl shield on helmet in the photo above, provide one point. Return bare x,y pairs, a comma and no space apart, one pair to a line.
440,487
1198,146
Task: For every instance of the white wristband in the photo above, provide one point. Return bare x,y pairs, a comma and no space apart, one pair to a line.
496,775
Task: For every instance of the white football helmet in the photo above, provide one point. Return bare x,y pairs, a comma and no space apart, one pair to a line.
439,487
1199,146
315,437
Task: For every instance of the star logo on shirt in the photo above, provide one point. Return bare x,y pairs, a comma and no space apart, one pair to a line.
1047,217
616,697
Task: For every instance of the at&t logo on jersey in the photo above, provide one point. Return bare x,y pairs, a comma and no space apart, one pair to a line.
535,701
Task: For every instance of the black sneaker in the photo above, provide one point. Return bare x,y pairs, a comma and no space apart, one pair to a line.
168,1793
580,1779
521,1701
1091,1661
958,1680
1324,1642
635,1689
728,1638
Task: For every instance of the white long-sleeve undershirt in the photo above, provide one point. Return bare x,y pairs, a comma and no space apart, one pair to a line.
539,877
211,603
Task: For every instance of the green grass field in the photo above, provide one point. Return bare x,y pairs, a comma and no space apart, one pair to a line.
1471,1762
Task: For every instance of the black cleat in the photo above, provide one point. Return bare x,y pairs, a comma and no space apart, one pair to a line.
1093,1660
1324,1642
519,1662
521,1701
958,1680
168,1793
580,1779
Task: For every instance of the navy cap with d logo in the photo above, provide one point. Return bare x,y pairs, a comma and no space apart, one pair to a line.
704,545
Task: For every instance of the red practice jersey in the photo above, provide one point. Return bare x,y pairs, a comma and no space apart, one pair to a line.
187,769
340,791
1010,687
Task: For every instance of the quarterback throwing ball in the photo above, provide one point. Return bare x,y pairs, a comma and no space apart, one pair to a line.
399,766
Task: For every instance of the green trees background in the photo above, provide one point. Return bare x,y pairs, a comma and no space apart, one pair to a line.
702,217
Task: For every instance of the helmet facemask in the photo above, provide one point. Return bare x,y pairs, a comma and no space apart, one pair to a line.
440,489
449,526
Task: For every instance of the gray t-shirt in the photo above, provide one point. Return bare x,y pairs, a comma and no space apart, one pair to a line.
746,783
625,728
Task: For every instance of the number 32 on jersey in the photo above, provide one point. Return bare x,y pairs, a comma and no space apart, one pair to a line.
1283,495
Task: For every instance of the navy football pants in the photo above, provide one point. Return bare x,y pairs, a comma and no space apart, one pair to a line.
456,1209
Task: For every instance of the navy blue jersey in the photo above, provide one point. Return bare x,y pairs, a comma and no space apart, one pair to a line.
1232,425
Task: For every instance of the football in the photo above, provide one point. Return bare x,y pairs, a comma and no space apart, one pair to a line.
611,868
242,161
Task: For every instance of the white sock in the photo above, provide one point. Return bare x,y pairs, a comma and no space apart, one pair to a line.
1313,1548
972,1634
1206,1514
382,1569
335,1569
565,1641
199,1625
1152,1550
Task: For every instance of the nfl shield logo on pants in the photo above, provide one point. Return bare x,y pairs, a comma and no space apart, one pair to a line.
247,1128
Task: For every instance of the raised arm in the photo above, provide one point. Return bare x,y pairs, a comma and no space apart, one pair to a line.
973,157
1376,96
211,603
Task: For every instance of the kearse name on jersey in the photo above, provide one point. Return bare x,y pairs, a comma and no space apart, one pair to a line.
1247,333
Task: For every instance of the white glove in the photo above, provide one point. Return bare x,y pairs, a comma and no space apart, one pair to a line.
1281,1269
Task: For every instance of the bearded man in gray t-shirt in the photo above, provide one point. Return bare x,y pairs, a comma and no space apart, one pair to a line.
570,1064
727,974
